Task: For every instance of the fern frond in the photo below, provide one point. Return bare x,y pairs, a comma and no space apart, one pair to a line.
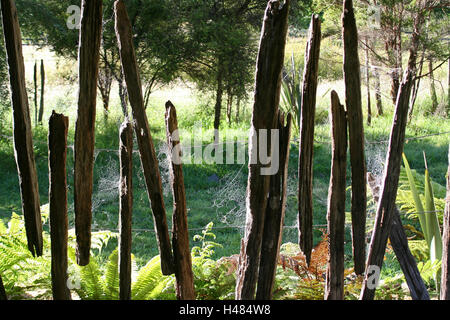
91,282
111,277
147,279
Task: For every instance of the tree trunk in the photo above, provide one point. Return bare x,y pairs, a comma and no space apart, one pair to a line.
57,149
334,288
238,110
434,100
125,208
229,103
386,204
180,237
369,107
88,55
415,87
273,224
3,296
147,152
445,266
218,105
399,243
23,143
104,85
41,105
265,109
352,79
306,146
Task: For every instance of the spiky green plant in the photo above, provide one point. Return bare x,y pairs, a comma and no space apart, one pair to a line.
426,211
291,95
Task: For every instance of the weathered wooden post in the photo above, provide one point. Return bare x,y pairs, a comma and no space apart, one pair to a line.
88,56
276,208
306,147
265,109
23,143
388,195
180,233
399,243
125,208
2,291
147,152
57,155
41,104
352,78
334,287
35,94
445,264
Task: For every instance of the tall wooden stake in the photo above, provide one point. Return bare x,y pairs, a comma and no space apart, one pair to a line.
180,237
35,94
265,108
276,208
399,243
147,152
57,155
386,204
334,288
306,148
125,208
352,78
41,104
445,265
23,143
88,55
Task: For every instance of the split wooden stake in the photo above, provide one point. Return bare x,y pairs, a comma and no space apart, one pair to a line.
125,208
352,79
445,266
399,243
147,152
57,156
88,55
23,143
276,208
180,236
265,113
334,287
386,206
306,146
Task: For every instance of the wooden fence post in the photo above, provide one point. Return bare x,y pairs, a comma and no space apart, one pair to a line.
57,155
352,78
147,152
265,108
274,221
125,208
35,94
306,147
388,195
445,266
88,55
180,236
23,142
41,104
399,243
334,288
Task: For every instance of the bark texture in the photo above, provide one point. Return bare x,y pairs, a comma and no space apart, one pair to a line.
147,152
306,148
352,79
57,156
334,288
125,208
23,143
445,265
88,56
180,237
265,111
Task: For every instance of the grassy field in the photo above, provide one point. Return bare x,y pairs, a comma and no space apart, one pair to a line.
215,192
